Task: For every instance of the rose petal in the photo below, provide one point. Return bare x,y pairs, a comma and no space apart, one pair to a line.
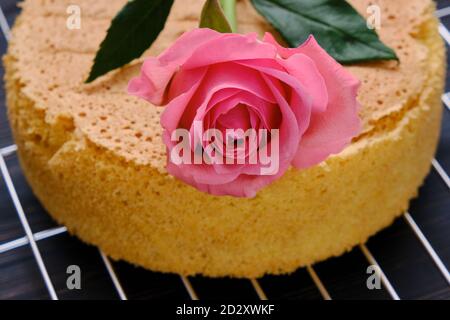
245,186
224,76
258,110
289,131
305,71
174,111
301,101
329,132
156,73
268,112
230,47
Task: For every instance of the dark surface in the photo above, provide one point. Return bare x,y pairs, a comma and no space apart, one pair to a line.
400,254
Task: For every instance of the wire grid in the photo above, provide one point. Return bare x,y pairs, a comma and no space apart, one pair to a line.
32,239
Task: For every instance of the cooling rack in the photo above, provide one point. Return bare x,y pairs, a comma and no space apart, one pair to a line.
412,256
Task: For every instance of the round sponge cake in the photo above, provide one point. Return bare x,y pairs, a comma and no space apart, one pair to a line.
95,158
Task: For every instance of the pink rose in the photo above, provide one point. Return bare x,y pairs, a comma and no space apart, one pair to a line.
233,81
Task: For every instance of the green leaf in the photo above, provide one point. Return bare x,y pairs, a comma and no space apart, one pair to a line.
132,31
336,25
229,9
214,18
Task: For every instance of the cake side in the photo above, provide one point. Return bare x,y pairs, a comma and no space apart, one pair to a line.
135,212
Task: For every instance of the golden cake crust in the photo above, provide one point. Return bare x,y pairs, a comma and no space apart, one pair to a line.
94,156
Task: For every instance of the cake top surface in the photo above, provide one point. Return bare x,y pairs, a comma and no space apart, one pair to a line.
53,62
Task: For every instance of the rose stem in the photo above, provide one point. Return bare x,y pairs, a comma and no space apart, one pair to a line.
229,8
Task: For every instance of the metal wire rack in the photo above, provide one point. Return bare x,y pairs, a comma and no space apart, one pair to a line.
32,239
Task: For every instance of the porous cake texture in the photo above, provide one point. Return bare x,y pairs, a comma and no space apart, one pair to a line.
94,156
